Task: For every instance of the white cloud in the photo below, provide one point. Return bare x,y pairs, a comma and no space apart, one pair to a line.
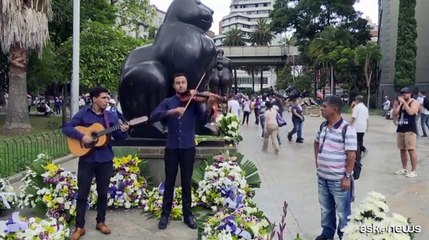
221,8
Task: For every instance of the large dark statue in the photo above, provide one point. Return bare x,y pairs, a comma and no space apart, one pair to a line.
221,77
180,46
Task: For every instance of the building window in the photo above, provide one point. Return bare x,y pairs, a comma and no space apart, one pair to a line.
256,5
265,4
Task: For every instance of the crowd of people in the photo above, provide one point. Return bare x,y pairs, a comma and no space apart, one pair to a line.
338,145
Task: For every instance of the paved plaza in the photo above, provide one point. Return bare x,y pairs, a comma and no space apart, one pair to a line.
291,177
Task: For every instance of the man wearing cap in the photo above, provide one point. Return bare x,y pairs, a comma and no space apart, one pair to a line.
406,113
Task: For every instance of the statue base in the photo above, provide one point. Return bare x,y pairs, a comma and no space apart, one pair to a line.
152,151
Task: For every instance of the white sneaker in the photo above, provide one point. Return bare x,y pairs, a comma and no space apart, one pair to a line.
401,172
411,174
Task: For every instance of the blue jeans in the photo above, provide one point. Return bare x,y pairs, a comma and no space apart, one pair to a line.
333,200
425,123
297,128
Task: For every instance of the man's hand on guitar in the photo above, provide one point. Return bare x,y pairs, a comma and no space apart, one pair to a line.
124,127
87,139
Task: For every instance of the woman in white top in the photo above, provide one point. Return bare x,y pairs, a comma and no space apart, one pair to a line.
270,127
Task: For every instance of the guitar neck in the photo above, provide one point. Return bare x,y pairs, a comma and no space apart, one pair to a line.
108,130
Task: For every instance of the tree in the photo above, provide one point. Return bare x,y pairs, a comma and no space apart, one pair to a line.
406,49
61,26
262,35
102,61
234,37
133,13
307,18
323,44
3,76
23,26
368,56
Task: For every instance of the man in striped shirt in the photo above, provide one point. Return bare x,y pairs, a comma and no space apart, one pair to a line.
335,156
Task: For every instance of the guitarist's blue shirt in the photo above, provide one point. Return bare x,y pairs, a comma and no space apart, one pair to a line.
86,117
181,132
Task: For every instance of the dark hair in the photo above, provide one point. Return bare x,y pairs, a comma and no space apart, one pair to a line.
335,102
96,91
268,104
178,75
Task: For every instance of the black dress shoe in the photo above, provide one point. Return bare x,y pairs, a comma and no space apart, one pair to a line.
163,222
190,221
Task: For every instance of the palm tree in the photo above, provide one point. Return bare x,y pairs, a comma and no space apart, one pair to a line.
326,42
23,26
234,37
262,36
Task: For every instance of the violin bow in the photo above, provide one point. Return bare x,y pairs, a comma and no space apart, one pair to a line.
192,96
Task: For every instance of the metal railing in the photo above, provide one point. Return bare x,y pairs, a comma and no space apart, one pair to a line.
18,152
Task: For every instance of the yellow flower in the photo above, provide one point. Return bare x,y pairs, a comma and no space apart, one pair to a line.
51,167
134,170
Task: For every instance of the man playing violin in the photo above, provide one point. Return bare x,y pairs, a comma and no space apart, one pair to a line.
180,147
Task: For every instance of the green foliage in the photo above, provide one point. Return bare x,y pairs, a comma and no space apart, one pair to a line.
134,12
248,167
262,36
101,62
284,76
307,18
234,37
406,49
324,43
61,26
42,71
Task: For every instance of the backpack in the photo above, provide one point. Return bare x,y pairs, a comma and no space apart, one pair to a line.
426,103
357,168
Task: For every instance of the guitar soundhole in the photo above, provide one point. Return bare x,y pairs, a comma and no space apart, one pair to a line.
90,145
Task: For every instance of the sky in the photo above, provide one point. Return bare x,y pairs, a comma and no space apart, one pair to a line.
369,8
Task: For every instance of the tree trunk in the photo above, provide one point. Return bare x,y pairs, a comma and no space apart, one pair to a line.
333,90
253,78
262,78
17,118
235,81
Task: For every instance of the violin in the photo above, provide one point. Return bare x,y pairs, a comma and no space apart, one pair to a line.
200,97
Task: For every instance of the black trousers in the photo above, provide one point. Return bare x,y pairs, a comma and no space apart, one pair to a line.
86,172
246,118
361,147
172,159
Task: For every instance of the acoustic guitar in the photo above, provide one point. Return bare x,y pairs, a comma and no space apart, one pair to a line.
98,133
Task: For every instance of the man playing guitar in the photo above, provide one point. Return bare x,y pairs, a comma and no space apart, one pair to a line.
97,162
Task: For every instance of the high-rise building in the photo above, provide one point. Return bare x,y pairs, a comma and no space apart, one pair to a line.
244,15
388,14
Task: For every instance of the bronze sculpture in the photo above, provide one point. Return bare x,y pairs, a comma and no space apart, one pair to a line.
181,45
221,77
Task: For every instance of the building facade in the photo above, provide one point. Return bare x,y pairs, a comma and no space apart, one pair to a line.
244,15
388,14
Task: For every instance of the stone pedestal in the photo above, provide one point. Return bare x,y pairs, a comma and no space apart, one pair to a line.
155,157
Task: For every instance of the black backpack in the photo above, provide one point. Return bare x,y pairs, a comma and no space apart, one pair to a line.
358,164
426,103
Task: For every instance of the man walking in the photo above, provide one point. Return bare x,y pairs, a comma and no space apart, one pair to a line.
97,162
406,113
180,147
359,122
335,158
424,120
